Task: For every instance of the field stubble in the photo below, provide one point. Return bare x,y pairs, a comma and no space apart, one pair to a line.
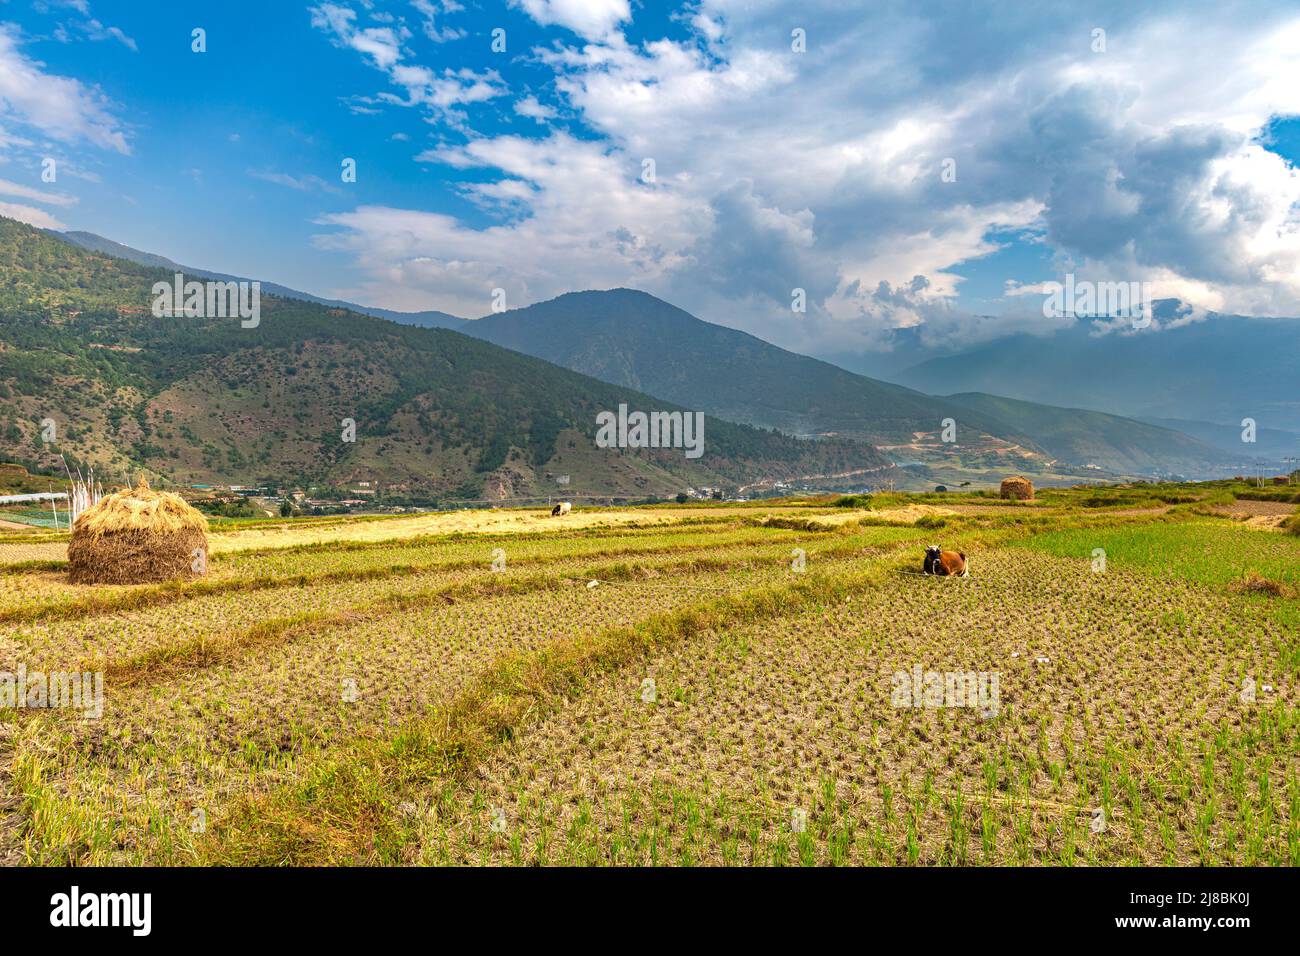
1119,694
183,732
498,717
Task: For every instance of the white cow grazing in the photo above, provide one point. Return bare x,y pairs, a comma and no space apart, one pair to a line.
563,508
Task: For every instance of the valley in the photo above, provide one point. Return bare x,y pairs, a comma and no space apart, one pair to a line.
509,689
435,416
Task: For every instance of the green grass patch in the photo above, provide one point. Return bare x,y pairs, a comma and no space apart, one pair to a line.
1207,552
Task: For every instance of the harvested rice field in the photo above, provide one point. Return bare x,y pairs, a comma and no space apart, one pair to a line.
672,686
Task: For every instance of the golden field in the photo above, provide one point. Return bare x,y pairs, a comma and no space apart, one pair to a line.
675,685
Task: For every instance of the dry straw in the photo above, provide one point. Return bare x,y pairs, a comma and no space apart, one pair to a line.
137,535
1018,488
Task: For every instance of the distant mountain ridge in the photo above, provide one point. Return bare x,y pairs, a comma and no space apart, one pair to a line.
635,340
1218,370
313,394
1086,437
1271,444
95,243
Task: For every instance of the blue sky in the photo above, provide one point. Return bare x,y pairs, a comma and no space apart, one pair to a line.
1163,153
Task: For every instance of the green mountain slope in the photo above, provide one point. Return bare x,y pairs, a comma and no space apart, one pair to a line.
96,243
633,339
203,399
1084,438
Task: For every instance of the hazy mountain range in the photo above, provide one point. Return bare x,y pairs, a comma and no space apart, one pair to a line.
430,411
1202,378
1003,398
95,243
633,339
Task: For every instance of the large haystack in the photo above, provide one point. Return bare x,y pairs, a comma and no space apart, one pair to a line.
138,535
1021,489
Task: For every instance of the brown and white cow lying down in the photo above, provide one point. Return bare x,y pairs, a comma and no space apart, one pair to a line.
945,562
563,508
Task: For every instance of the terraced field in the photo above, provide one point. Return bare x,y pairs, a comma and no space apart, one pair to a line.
1134,710
699,686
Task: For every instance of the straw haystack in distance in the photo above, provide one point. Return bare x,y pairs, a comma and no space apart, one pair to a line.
1018,487
138,535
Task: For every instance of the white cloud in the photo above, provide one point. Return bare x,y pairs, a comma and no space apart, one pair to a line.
531,108
822,170
585,213
422,85
30,215
8,140
332,18
431,11
60,107
593,19
94,30
383,45
88,26
306,182
9,188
